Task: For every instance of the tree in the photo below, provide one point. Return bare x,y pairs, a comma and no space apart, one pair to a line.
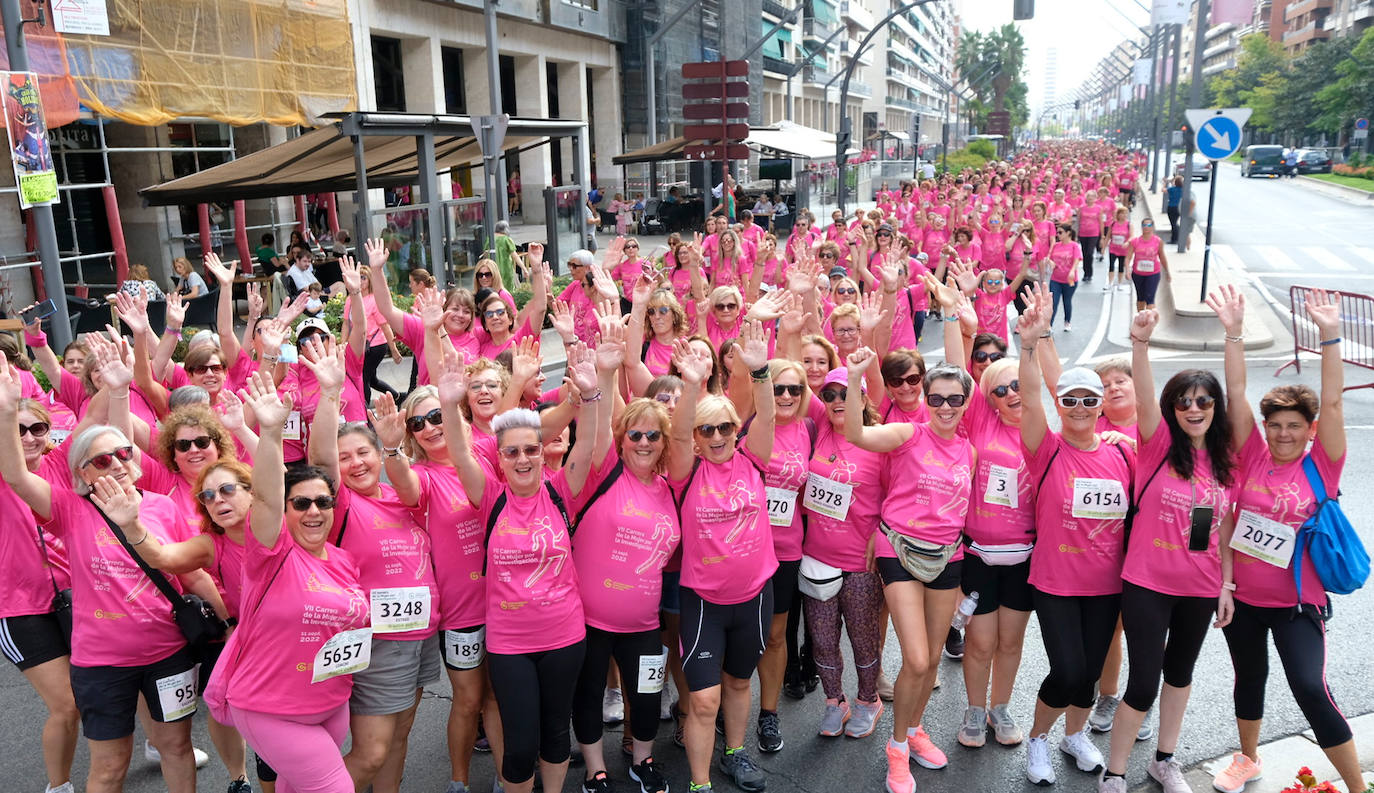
1296,110
1259,57
1352,94
990,64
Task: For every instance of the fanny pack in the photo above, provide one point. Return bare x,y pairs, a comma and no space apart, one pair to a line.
819,580
924,560
1001,555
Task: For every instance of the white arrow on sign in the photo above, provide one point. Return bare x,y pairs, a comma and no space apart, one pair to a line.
1222,141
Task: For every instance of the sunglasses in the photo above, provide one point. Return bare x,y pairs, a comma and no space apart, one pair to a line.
651,436
213,368
100,462
667,399
983,356
1203,401
576,264
1073,402
1147,225
37,429
302,503
660,310
995,281
940,400
726,306
228,489
495,312
631,245
417,423
484,275
911,380
185,444
825,256
532,451
832,394
724,429
790,390
846,290
1001,391
883,234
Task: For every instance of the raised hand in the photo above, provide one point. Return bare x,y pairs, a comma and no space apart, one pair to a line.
871,314
256,304
176,311
11,390
115,371
224,273
607,308
272,334
1324,309
753,347
525,360
119,502
289,311
582,368
133,311
1144,324
389,422
946,295
859,360
230,411
643,290
610,350
376,252
1229,305
792,323
693,364
452,381
771,306
534,255
1035,320
430,307
604,284
964,275
563,321
351,274
328,369
272,409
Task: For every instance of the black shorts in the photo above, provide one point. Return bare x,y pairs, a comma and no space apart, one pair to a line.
107,696
33,639
718,638
892,572
785,586
997,586
213,651
1145,287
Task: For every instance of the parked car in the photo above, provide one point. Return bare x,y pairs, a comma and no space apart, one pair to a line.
1313,161
1262,160
1202,168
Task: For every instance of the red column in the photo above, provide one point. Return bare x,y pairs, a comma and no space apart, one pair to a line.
241,239
302,225
203,215
332,210
121,253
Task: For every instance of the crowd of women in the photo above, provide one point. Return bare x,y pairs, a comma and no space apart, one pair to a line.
747,449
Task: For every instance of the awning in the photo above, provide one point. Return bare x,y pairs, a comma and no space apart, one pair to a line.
824,12
662,151
793,140
894,135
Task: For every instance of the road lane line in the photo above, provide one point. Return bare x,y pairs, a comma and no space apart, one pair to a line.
1364,253
1299,275
1100,332
1275,257
1328,259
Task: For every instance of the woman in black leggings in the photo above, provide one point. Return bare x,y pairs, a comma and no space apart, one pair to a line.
1260,583
1171,580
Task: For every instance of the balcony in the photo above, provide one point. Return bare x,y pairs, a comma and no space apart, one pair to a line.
1297,10
857,88
905,104
817,73
1304,35
776,66
854,13
1219,47
778,10
1363,11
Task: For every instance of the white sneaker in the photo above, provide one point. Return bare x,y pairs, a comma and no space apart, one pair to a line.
152,755
1038,767
612,707
65,787
1082,750
1111,784
1147,728
1169,774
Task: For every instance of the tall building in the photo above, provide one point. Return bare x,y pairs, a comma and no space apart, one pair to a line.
1050,78
920,65
1297,24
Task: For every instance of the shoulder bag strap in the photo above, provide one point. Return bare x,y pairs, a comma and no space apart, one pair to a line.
158,579
43,549
557,500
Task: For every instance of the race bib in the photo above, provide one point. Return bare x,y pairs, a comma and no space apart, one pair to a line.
291,430
1267,540
176,695
1002,487
825,496
465,649
782,505
400,609
652,670
344,654
1146,266
1118,239
58,436
1100,499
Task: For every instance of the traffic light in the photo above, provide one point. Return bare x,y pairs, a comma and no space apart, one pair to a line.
1022,9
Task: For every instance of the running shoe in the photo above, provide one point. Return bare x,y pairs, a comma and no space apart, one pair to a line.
1147,727
863,718
1038,767
927,754
1111,784
973,733
770,732
152,755
599,783
899,779
65,787
1068,328
1107,287
793,685
1169,774
649,777
1004,727
954,645
1086,756
884,687
454,786
1104,712
241,785
695,788
742,769
836,716
612,706
1234,777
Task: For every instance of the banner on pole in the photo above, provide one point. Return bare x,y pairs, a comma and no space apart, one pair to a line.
28,137
1169,12
1140,73
1236,12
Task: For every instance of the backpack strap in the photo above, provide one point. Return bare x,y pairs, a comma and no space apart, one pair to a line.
1314,480
499,506
601,489
692,477
1133,505
156,578
557,500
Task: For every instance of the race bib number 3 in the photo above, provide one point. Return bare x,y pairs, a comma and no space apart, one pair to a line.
1267,540
1102,499
291,431
400,609
176,695
652,669
1002,487
782,505
465,649
344,654
825,496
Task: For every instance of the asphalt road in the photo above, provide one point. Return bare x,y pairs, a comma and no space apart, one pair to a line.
1260,221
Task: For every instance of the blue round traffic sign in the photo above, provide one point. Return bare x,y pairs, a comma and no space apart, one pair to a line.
1218,138
1361,123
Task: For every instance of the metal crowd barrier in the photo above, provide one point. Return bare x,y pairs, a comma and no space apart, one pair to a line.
1357,330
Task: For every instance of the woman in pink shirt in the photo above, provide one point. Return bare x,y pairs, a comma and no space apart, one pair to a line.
379,338
1172,576
1089,232
667,321
501,326
774,266
730,265
1276,494
487,274
459,311
1146,261
189,440
728,557
721,315
1116,232
1063,262
904,373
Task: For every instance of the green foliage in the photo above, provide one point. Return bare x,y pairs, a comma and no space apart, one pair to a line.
523,292
1259,57
42,377
1352,94
1000,88
982,148
960,159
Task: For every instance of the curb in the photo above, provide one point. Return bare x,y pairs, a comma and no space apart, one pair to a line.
1339,190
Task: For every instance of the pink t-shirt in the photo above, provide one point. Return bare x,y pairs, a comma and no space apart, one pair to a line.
1089,220
843,543
456,530
1120,234
623,541
389,547
1280,493
1146,260
891,413
659,357
227,571
300,382
727,543
1157,557
584,317
1105,424
26,588
119,618
157,478
991,308
1066,256
1076,556
786,473
533,603
413,334
490,348
1003,509
929,481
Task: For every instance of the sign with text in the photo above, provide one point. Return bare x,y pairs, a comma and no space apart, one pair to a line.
89,17
30,150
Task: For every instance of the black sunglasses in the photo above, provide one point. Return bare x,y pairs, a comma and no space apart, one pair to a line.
846,290
1001,390
37,429
417,423
940,400
911,380
983,356
791,390
1203,401
651,436
102,461
185,444
832,394
216,368
228,489
302,503
723,429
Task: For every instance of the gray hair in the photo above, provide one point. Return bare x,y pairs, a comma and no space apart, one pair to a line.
187,395
581,256
516,419
81,447
361,428
949,371
203,337
502,227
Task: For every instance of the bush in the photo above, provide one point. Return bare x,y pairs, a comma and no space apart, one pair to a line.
983,148
523,292
1357,171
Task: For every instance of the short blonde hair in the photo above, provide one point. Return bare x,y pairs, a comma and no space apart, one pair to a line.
646,408
713,405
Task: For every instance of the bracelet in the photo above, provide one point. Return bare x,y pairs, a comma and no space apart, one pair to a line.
1330,342
1139,340
1229,586
952,318
141,540
272,359
40,339
170,329
760,374
593,398
1236,339
396,452
1028,348
1047,335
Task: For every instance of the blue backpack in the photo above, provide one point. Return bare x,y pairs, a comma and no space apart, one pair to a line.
1337,553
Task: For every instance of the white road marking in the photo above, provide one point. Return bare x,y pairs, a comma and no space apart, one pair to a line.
1275,257
1364,253
1299,275
1328,259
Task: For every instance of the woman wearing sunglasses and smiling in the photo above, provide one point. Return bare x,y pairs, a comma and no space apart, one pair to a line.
501,326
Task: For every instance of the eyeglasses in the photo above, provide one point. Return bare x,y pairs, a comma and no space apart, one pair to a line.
651,436
532,451
983,356
846,290
185,444
825,256
724,429
1073,402
228,489
417,423
1204,401
1001,391
994,281
846,331
100,462
302,503
495,312
883,234
940,400
660,310
484,386
630,245
484,275
832,394
576,264
37,429
667,398
213,368
911,380
726,306
790,390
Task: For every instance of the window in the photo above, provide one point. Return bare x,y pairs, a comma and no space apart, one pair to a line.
455,93
388,78
590,5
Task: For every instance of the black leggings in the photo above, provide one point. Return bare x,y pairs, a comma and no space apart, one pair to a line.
627,649
371,360
1301,642
1164,634
534,692
1089,246
1077,632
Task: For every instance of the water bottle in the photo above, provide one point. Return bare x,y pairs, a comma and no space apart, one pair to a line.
965,611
